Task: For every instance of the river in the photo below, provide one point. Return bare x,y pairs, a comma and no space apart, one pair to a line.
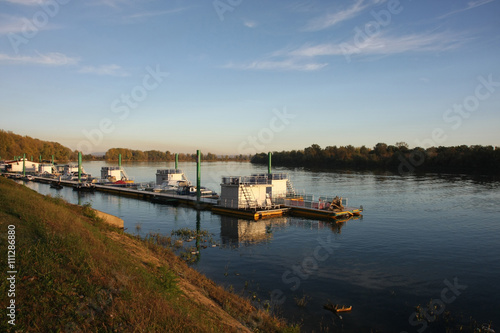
421,238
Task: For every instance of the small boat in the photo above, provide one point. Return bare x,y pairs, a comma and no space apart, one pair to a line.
88,187
55,185
335,308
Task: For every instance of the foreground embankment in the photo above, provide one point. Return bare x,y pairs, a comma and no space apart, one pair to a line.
69,271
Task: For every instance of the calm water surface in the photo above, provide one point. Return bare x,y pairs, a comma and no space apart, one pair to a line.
416,232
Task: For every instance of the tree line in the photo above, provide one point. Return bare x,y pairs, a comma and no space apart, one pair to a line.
14,145
396,158
156,155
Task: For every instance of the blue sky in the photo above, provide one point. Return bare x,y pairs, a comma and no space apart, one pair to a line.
241,76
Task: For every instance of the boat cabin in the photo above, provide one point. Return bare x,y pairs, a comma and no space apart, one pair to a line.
171,177
252,192
113,174
17,166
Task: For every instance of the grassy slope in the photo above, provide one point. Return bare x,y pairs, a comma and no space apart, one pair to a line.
77,274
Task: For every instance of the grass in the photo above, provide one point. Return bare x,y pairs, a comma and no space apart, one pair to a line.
76,273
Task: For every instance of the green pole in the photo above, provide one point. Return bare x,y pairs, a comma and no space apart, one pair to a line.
119,160
52,159
40,158
79,167
31,158
198,176
269,163
176,161
24,165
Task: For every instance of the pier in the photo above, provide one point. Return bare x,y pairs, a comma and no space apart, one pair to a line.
294,207
254,197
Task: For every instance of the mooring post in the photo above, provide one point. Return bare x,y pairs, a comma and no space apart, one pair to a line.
198,236
269,162
24,165
176,161
119,160
198,176
79,167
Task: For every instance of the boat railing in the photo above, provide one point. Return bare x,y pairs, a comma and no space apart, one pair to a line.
245,180
111,168
308,201
272,176
239,204
168,171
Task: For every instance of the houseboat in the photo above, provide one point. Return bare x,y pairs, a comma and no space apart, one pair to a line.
115,176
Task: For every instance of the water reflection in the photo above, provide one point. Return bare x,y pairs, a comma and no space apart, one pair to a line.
236,232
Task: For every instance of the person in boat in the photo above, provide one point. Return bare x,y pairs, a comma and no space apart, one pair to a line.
336,204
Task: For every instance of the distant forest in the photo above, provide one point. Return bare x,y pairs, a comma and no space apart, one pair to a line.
14,146
396,158
156,155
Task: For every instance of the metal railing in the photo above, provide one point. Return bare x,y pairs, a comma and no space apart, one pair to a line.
168,171
308,201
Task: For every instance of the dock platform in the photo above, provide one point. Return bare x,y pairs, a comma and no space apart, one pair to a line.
289,207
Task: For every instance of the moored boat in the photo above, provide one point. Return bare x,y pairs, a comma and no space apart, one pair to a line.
88,187
56,185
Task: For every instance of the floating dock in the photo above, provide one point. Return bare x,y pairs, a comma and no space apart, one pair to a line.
243,197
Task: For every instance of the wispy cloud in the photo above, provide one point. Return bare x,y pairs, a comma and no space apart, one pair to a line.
16,24
313,57
28,2
249,23
109,3
279,65
470,5
48,59
382,44
112,70
332,19
157,13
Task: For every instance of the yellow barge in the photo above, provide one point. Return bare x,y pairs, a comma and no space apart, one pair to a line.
250,214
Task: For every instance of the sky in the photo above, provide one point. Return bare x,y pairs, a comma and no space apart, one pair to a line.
242,77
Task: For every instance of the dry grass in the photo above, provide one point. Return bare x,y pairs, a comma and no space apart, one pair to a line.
77,274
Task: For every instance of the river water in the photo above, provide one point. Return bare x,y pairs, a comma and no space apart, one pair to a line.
421,238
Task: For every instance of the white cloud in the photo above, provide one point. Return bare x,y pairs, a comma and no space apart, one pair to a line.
48,59
16,24
305,58
279,65
249,24
113,70
384,45
28,2
470,5
332,19
157,13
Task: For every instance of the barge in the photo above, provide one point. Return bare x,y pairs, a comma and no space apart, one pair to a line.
324,207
